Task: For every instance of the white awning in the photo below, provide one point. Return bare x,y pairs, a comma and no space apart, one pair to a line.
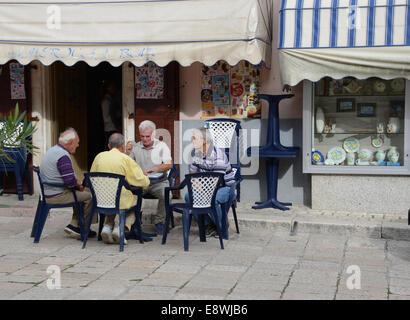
339,38
137,31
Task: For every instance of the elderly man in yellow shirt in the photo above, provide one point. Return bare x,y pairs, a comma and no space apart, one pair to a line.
116,161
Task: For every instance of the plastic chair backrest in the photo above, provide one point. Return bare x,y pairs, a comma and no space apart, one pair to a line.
173,175
40,181
222,132
11,141
105,188
202,188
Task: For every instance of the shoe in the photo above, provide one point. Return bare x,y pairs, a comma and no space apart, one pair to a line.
73,232
106,234
92,234
211,230
116,235
159,227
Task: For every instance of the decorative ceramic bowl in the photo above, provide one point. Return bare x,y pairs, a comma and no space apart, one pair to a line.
337,154
377,142
365,155
351,144
317,157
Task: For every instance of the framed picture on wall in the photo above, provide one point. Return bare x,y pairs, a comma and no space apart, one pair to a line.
397,108
366,109
345,105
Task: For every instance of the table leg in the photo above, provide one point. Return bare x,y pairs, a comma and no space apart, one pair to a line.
272,165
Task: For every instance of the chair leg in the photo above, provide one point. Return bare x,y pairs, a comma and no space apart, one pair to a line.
235,218
122,230
1,183
166,227
29,182
81,220
202,236
219,230
408,217
36,219
138,226
189,223
87,231
19,184
172,220
41,222
224,226
185,225
101,225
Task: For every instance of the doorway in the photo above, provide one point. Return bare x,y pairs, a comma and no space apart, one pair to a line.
76,99
97,79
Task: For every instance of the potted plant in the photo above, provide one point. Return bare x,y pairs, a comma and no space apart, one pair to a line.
15,136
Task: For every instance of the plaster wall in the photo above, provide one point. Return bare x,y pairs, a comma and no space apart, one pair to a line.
364,193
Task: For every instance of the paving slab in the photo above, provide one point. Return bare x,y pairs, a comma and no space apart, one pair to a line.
272,258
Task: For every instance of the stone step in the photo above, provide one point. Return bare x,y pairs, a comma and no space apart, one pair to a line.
305,220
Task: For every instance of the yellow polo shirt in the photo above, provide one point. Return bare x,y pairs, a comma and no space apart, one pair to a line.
114,161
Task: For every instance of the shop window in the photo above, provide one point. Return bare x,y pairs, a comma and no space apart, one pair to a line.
356,126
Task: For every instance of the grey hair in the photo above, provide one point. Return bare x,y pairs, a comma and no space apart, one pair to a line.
204,132
116,140
144,125
67,135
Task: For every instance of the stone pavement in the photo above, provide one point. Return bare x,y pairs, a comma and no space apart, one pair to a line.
299,254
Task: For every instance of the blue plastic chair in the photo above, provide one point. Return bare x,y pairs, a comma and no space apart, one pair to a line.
222,132
172,177
43,208
106,190
202,188
19,167
19,164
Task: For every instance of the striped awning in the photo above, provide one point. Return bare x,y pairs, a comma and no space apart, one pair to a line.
339,38
136,31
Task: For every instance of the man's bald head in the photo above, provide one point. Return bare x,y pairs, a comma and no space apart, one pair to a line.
117,141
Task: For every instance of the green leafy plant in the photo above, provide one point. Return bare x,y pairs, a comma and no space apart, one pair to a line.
15,132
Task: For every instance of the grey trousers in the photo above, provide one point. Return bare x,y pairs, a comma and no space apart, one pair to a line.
157,190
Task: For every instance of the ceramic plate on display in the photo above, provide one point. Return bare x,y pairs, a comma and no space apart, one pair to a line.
377,142
379,86
365,155
337,154
397,84
320,120
351,144
317,157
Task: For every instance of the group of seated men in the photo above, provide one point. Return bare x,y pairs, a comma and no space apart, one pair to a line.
135,161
